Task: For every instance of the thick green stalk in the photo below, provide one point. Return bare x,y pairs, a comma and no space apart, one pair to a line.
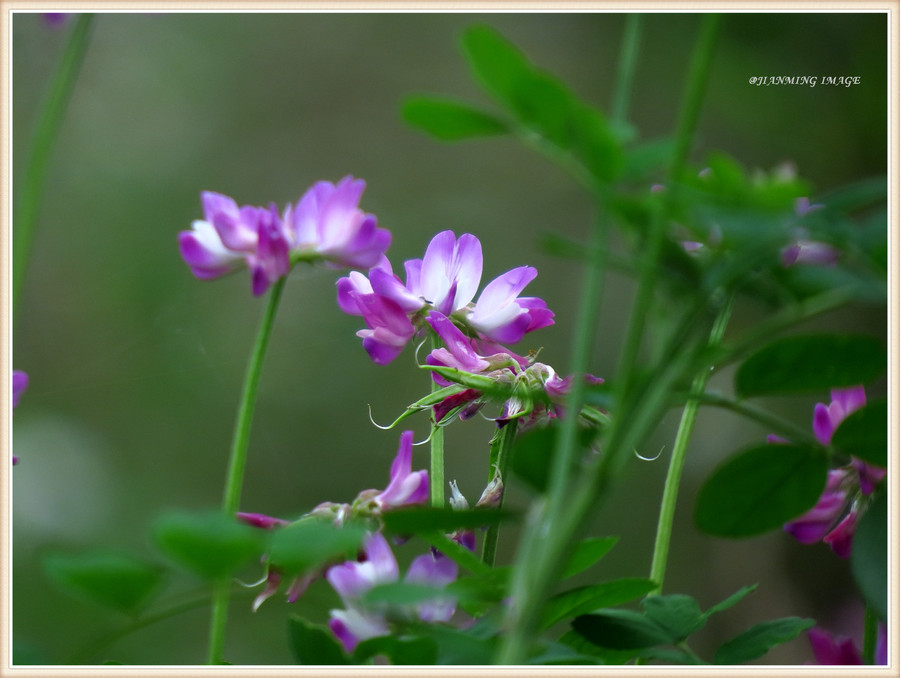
238,460
45,133
501,448
437,449
676,464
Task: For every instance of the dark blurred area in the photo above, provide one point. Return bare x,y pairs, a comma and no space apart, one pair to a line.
136,367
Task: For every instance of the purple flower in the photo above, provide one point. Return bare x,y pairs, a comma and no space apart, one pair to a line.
826,418
406,486
445,281
806,251
831,650
500,314
813,525
55,19
19,384
327,221
830,520
260,520
353,579
326,225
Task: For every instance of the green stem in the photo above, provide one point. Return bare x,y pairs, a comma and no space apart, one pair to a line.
627,61
437,449
501,448
238,460
792,432
676,464
870,636
45,133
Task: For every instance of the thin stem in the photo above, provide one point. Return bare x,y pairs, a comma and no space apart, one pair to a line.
627,61
679,453
870,636
238,460
501,448
45,133
437,449
791,431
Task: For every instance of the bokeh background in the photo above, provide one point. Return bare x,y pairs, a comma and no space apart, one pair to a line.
136,367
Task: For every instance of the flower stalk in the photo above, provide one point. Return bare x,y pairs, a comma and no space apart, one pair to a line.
238,460
45,133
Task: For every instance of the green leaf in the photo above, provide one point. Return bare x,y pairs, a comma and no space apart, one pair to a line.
760,489
308,544
582,645
449,120
401,593
621,630
559,653
423,519
532,455
587,552
542,103
400,651
585,599
868,559
730,601
457,647
811,363
114,579
678,614
209,544
863,434
759,639
314,644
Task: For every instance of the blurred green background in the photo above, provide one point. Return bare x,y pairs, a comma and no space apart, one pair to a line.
136,367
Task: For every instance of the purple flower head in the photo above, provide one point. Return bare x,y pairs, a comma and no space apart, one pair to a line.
19,384
833,651
445,281
840,539
325,226
352,579
55,19
327,221
813,525
500,314
261,520
869,475
406,486
389,328
805,251
826,418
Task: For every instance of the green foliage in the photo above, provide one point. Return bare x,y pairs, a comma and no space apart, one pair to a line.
398,650
114,579
586,553
543,104
863,434
308,544
449,120
811,363
532,455
588,598
621,630
760,489
426,519
211,545
759,639
314,644
869,558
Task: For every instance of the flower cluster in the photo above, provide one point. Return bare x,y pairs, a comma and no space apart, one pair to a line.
406,487
19,384
834,518
444,281
325,225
